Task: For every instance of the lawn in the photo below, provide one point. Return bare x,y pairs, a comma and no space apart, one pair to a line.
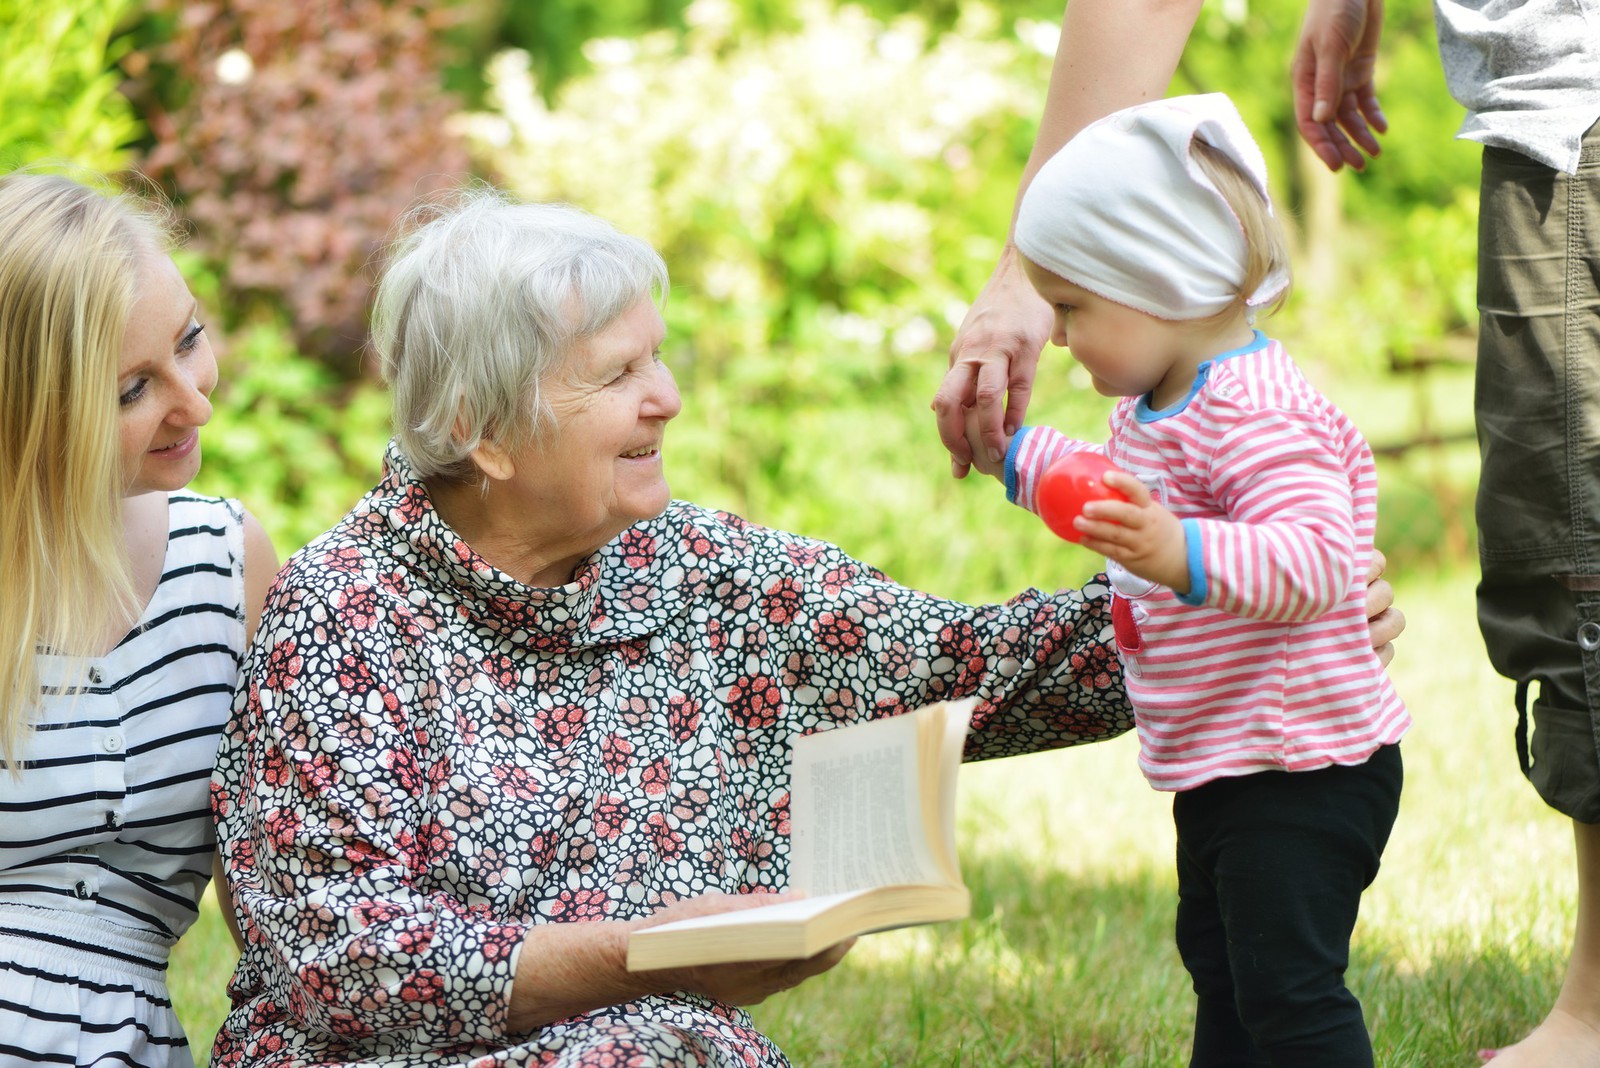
1068,959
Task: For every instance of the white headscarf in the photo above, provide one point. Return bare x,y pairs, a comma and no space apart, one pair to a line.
1123,211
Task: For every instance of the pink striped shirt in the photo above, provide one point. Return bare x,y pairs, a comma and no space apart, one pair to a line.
1267,661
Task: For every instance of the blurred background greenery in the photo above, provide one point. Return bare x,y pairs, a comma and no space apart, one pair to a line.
830,184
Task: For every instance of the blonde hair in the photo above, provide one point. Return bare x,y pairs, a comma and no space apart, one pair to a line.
1266,247
68,282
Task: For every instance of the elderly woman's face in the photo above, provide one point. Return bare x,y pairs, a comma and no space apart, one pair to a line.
600,471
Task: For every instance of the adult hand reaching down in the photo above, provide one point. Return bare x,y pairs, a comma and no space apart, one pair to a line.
993,359
1335,97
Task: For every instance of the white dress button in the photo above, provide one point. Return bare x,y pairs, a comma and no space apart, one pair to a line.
112,742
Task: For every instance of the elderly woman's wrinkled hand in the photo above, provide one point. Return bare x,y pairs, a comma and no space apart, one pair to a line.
744,983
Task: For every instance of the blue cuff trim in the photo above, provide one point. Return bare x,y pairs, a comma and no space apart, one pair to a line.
1011,462
1197,571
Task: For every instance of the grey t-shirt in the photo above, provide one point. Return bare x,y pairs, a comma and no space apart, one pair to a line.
1527,71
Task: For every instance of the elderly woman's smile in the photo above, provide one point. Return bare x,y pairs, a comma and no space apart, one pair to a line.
594,470
611,402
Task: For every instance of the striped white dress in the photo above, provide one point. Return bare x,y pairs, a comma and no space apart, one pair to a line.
106,838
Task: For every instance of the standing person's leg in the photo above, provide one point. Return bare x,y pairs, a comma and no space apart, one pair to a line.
1288,856
1538,417
1569,1037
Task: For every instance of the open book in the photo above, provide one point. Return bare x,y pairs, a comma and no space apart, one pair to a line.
873,846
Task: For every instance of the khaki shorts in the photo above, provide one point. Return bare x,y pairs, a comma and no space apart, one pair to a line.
1538,423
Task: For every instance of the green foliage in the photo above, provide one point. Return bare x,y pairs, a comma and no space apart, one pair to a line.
553,35
830,216
554,32
848,167
827,215
58,84
293,134
1422,163
1402,257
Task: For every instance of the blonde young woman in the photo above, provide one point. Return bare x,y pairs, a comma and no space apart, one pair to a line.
127,606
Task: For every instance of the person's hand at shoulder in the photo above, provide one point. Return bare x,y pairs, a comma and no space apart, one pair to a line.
993,360
746,982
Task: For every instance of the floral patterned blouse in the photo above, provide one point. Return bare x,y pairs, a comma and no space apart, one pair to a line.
426,758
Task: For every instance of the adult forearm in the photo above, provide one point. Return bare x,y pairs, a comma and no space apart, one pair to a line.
1112,54
569,968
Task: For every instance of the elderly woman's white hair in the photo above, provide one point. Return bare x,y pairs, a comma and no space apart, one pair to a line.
482,298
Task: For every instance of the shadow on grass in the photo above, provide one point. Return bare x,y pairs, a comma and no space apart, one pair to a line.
1059,969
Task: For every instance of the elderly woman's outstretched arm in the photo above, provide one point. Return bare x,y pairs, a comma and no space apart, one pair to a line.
405,814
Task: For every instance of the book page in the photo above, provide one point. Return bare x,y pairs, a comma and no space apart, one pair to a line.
872,809
856,809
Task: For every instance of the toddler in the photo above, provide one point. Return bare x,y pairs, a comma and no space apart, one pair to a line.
1238,564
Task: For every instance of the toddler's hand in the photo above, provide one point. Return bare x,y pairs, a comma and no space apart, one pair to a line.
980,456
1138,533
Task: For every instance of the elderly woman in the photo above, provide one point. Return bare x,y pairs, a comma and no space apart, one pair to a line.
520,703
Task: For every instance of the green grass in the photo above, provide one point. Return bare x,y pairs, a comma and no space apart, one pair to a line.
1068,959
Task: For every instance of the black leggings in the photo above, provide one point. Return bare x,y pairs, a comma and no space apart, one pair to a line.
1271,867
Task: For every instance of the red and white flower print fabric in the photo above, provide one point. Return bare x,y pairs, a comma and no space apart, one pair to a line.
426,758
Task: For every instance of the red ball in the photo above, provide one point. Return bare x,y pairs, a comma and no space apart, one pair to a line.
1070,483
